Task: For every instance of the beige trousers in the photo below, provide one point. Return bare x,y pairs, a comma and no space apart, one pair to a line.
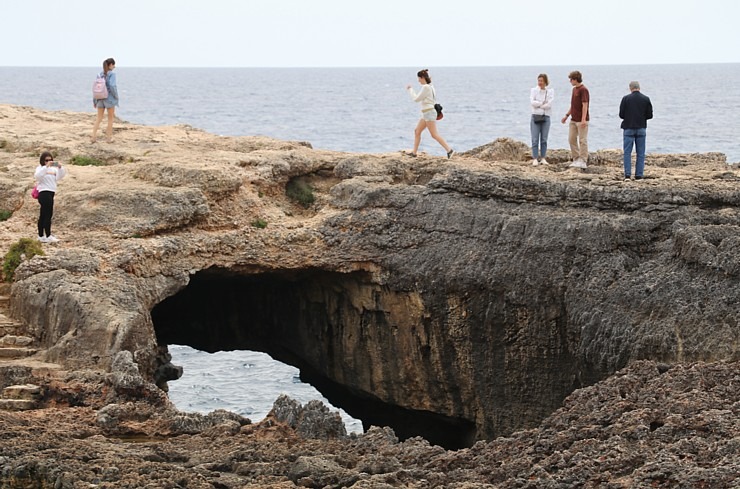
578,139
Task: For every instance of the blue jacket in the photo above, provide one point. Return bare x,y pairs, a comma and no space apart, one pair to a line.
110,84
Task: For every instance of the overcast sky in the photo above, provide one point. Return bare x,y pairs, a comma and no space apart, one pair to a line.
323,33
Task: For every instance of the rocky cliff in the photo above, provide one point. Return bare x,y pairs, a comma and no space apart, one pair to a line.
459,300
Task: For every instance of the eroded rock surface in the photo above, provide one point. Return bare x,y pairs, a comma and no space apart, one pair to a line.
650,425
461,300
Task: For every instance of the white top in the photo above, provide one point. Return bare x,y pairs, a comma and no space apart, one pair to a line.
541,100
425,96
48,176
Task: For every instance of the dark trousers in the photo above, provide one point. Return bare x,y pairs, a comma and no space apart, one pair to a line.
46,200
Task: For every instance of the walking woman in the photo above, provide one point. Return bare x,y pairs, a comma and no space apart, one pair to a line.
110,103
540,97
427,98
47,174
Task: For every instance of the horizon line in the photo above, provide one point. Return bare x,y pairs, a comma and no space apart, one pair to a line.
385,67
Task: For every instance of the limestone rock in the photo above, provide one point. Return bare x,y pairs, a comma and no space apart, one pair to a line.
461,299
314,420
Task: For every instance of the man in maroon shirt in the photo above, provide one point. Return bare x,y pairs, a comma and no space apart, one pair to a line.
579,117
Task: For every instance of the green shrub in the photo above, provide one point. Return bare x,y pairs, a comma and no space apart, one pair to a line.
5,215
259,223
85,161
25,248
301,192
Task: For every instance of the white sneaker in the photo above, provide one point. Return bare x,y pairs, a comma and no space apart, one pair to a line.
534,162
544,162
52,239
43,239
578,164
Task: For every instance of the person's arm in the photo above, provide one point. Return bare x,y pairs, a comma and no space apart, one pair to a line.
622,107
112,87
418,97
565,119
40,172
585,114
649,110
61,172
533,99
550,97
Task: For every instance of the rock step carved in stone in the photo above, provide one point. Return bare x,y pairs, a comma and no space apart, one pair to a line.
12,352
8,326
20,397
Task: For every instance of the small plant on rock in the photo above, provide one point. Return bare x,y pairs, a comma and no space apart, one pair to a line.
259,223
24,249
80,160
5,215
300,191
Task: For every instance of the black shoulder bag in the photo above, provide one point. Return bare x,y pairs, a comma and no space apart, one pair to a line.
437,107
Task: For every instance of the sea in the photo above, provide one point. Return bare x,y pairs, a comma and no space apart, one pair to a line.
696,109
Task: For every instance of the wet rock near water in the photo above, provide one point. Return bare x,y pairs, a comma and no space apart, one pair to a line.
650,425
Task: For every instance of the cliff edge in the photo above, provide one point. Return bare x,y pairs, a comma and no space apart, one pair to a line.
459,300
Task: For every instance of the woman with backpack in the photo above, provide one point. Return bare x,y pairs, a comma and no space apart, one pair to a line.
428,99
106,98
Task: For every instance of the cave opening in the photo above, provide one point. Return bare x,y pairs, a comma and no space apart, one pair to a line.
314,320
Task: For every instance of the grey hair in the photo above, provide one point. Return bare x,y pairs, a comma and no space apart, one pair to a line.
634,85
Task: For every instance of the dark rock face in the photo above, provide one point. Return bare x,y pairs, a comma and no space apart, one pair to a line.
489,299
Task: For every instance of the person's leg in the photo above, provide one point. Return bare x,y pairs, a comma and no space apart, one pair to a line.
583,142
534,129
42,216
46,200
640,137
628,140
544,133
98,119
109,129
47,226
432,126
417,134
573,140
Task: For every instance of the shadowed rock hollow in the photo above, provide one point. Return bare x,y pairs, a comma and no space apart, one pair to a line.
458,300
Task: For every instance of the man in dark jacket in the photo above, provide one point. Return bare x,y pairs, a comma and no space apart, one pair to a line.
635,110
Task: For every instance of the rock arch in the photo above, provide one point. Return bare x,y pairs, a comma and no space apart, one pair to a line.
361,344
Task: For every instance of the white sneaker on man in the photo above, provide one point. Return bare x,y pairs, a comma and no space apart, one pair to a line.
534,162
43,239
578,163
544,162
52,239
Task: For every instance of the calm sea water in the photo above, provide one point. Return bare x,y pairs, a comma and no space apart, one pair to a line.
697,108
244,382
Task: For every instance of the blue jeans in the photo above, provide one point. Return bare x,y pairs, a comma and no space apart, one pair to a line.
634,137
539,136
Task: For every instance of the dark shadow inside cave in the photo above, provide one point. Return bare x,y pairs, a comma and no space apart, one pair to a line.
299,318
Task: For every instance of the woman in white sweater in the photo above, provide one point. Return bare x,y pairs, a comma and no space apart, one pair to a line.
427,98
540,98
47,174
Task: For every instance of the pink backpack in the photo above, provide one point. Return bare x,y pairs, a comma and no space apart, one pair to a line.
100,91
